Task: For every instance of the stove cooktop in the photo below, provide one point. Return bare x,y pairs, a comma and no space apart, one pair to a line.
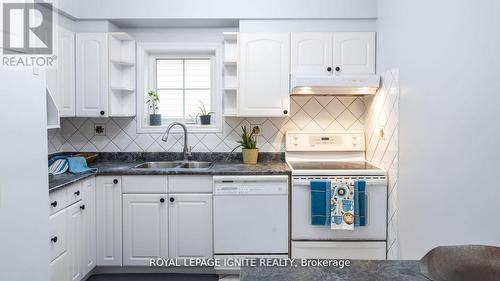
332,165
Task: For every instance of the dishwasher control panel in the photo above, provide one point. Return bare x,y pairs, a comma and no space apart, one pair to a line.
250,185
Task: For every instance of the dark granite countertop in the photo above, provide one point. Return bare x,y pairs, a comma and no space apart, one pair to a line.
124,164
358,271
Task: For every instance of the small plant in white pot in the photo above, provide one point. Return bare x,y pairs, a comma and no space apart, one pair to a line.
248,144
205,117
153,101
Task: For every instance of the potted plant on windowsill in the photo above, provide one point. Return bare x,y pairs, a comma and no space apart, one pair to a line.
153,101
205,117
248,143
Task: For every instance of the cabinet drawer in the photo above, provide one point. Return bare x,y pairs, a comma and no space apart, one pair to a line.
339,250
190,183
144,184
57,200
58,268
74,193
57,237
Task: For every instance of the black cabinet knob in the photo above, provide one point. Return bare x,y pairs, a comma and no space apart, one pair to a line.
82,207
54,239
54,204
162,200
337,68
172,199
329,69
102,112
77,193
285,111
115,181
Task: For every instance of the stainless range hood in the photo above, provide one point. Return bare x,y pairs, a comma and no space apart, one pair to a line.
335,85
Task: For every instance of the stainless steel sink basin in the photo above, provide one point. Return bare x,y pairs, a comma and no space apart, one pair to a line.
175,165
195,165
159,165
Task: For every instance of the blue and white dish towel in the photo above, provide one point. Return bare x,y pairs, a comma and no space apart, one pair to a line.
342,206
76,165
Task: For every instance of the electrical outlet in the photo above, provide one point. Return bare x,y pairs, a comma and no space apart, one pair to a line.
99,129
256,129
381,133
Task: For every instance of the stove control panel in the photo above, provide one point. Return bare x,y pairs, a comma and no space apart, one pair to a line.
325,140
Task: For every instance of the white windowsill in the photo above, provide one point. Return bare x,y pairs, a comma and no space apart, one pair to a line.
191,128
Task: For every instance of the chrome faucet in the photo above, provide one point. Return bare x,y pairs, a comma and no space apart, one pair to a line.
185,150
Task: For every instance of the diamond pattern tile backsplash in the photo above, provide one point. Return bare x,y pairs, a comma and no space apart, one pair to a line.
306,113
383,112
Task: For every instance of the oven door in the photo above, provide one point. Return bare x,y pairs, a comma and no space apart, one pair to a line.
376,212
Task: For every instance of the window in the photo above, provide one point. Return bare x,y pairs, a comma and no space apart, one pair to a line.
183,85
184,75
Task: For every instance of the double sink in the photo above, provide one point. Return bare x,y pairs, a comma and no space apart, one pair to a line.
175,165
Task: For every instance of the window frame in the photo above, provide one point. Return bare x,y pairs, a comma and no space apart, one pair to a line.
148,53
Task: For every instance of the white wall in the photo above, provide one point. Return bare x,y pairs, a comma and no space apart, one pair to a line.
219,9
24,212
447,54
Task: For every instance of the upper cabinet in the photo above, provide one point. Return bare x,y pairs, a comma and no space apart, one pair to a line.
92,75
332,53
66,73
312,53
105,75
61,76
263,73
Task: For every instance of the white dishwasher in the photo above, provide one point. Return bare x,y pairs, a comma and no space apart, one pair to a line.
250,215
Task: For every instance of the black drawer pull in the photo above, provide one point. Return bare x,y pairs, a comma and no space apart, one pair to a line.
172,199
54,204
54,239
82,207
115,181
77,193
162,200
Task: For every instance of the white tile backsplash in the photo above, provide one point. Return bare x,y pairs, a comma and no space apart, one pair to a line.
383,112
307,113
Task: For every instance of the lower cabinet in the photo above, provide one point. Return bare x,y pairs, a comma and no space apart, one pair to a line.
145,228
75,241
190,226
89,222
109,220
72,237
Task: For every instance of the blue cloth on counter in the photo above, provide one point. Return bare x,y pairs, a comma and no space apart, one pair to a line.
320,202
359,203
58,166
78,165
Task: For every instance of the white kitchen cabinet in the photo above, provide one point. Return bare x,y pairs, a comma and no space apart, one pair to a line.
190,225
145,228
66,73
75,241
109,220
89,226
332,53
263,73
354,52
58,268
92,75
312,53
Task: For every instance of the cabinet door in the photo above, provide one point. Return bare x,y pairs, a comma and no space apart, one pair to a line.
89,226
354,52
312,53
144,228
74,240
264,74
66,73
91,75
190,226
109,220
58,268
